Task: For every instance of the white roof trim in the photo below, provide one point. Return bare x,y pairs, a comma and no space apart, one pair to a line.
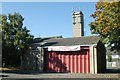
74,45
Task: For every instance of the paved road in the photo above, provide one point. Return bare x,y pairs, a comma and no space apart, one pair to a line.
59,76
34,75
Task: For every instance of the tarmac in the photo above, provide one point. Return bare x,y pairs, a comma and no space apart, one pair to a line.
35,75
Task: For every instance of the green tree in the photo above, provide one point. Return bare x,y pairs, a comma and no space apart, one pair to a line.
107,22
109,58
15,38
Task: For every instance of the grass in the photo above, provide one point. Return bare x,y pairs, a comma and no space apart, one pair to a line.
10,68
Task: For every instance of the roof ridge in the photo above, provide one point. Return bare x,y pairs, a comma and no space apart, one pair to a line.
76,37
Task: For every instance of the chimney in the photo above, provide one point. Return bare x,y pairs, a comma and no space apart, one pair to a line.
77,24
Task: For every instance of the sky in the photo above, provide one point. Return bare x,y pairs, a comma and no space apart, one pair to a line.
45,19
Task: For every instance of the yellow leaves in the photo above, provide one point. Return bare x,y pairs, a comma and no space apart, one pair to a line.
105,30
107,20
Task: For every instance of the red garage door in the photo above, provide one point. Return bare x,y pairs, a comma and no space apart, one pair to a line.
68,61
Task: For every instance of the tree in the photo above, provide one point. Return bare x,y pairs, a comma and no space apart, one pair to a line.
110,58
0,47
15,37
107,22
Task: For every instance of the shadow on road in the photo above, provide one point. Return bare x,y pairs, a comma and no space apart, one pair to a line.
30,72
21,72
3,75
112,71
108,71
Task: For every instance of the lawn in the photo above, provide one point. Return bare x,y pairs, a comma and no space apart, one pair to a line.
10,68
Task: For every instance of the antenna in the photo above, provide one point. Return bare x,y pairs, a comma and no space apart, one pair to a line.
73,9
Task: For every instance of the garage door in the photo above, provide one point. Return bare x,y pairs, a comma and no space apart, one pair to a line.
68,61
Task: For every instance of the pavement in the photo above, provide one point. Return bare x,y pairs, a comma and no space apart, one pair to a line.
35,75
46,76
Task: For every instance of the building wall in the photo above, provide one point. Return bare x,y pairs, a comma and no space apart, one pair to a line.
68,61
87,60
33,60
101,57
93,59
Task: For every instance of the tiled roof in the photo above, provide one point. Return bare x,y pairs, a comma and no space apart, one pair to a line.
72,41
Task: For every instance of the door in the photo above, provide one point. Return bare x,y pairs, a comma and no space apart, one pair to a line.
68,61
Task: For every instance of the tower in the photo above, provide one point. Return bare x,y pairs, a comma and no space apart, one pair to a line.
77,24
